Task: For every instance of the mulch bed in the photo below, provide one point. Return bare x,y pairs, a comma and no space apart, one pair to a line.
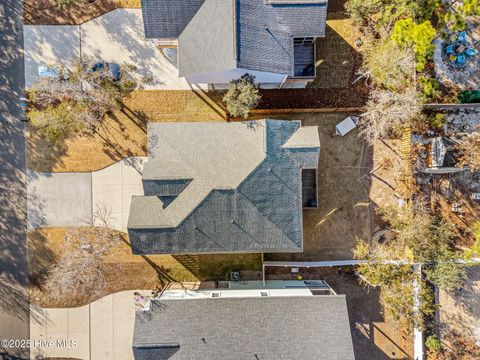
352,97
47,12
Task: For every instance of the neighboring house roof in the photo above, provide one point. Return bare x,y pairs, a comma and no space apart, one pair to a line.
223,35
223,187
296,327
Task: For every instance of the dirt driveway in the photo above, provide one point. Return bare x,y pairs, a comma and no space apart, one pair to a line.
343,216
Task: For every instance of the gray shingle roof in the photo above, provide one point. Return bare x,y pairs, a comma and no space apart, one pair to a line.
167,18
208,42
228,34
265,33
236,188
294,328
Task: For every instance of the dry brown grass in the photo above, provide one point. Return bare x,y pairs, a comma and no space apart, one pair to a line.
47,12
343,215
123,133
125,271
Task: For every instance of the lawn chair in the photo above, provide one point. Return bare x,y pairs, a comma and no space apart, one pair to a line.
471,52
462,36
449,50
461,59
346,125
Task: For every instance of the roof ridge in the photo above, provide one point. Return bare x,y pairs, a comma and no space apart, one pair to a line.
269,220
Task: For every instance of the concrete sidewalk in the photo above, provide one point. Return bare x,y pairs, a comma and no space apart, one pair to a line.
102,330
76,199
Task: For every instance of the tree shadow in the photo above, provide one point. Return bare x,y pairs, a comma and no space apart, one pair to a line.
47,12
213,99
40,258
42,155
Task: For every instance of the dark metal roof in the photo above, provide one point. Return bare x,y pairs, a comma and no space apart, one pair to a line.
270,328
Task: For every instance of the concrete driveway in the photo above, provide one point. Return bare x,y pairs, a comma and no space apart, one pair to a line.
79,199
113,188
100,330
49,45
117,36
59,199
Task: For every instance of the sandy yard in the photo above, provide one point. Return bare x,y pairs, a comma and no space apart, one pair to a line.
353,181
375,337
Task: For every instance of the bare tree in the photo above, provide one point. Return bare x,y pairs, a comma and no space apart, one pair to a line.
388,111
79,271
86,96
387,71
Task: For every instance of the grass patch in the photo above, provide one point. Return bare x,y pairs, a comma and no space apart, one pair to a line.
122,133
125,271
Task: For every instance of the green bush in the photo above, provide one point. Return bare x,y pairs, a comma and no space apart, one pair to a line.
437,120
242,96
433,344
418,37
429,87
58,123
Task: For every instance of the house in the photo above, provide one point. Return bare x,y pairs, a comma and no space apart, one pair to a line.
220,40
246,320
225,188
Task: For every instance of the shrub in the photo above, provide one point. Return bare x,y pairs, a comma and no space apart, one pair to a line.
437,120
429,87
418,37
58,123
433,344
387,113
387,71
242,96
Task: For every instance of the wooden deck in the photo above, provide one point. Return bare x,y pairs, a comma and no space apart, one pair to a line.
309,188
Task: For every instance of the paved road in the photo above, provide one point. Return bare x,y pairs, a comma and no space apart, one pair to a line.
14,311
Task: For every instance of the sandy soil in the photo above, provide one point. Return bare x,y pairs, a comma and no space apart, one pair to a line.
374,336
47,12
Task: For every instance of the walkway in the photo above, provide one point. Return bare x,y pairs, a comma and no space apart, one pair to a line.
14,312
80,199
100,330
